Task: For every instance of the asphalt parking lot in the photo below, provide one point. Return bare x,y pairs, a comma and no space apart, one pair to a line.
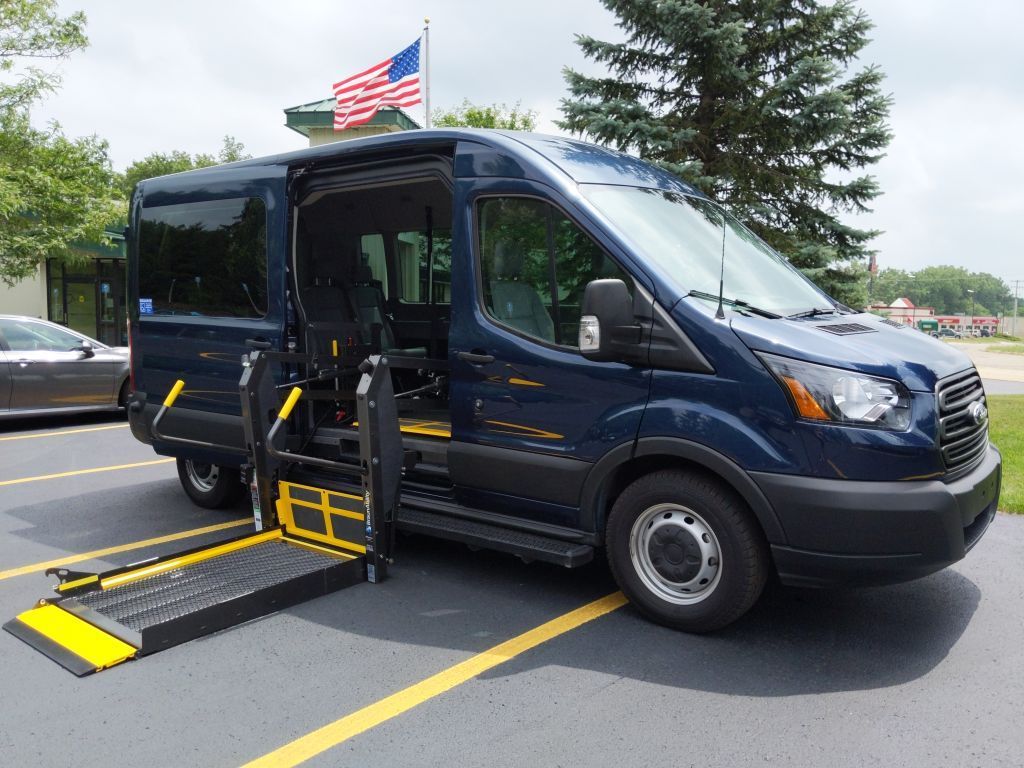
922,674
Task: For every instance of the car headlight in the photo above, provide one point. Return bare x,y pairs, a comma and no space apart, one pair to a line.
821,393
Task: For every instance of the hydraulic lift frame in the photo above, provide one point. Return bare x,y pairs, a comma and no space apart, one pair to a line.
309,541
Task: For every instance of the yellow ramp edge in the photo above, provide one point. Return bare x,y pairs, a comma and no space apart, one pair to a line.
73,643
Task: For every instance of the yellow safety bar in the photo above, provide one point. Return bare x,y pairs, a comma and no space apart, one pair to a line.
173,394
286,409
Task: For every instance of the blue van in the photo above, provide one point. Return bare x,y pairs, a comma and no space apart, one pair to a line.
609,360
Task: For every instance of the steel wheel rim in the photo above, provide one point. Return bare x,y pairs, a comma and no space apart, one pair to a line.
202,476
652,560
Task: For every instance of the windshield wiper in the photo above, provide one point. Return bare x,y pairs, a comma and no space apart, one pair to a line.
735,303
814,312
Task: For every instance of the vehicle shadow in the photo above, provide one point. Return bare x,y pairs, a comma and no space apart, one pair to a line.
794,641
29,423
441,594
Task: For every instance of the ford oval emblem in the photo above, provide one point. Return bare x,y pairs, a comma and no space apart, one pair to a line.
978,412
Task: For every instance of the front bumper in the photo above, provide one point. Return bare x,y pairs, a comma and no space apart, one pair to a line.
845,532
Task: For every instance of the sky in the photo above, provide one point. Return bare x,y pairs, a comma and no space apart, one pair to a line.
162,76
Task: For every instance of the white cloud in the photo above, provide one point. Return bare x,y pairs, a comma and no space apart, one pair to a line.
161,76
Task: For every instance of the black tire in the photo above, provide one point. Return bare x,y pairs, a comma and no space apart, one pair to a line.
123,394
208,485
686,550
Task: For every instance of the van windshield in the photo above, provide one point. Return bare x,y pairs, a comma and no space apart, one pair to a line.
682,235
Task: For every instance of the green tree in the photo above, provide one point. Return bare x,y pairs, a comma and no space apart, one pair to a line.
164,163
468,115
31,32
54,191
759,104
946,288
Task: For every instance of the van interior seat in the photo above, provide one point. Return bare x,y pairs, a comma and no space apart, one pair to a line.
367,298
514,302
331,317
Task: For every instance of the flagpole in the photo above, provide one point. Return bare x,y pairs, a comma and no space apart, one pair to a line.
426,68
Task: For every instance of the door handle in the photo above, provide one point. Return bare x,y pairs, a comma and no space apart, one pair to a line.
23,363
258,344
475,358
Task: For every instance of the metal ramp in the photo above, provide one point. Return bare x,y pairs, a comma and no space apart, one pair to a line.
310,541
102,620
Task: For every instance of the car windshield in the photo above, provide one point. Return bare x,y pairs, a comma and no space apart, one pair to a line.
683,236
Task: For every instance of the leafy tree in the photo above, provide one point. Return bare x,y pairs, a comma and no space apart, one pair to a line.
758,104
54,191
161,164
30,31
946,288
468,115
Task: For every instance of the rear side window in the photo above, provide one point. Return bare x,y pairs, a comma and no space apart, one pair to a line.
206,258
425,266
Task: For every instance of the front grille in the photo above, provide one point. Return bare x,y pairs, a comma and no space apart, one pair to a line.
963,439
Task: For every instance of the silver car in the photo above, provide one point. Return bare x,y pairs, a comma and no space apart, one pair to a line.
46,368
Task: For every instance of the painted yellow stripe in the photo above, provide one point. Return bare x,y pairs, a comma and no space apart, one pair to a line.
80,637
184,560
91,471
335,733
100,553
63,432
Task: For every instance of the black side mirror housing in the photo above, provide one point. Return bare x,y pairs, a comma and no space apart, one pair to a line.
608,329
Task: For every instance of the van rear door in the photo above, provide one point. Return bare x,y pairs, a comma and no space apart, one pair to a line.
207,283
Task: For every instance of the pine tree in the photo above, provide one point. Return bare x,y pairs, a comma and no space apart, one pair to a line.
759,104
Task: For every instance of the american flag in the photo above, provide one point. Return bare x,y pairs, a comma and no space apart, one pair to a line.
394,82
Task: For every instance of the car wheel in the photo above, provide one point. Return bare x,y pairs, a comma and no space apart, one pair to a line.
209,485
124,394
686,550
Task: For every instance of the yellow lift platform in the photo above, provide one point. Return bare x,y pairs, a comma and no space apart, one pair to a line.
310,542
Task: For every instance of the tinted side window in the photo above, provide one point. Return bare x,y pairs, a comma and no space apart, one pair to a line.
374,256
205,258
419,279
36,337
536,264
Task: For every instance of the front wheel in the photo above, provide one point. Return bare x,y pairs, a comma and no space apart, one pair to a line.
209,485
686,550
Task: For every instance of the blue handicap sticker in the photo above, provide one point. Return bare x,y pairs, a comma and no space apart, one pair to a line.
145,306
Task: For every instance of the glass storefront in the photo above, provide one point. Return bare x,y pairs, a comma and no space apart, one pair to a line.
89,298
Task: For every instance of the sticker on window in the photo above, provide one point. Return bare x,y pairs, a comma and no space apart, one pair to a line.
145,306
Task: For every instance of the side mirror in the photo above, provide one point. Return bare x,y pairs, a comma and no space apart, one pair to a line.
608,330
86,349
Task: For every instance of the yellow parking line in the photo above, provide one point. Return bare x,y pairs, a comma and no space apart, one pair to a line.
98,553
341,730
74,472
64,432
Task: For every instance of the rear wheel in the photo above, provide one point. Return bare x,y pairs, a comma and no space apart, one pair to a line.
209,485
124,394
686,551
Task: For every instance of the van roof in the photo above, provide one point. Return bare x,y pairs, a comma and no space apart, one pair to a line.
537,156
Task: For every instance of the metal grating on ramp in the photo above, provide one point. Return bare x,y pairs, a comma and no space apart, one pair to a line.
171,595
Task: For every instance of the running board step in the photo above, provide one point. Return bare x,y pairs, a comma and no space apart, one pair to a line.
101,620
527,546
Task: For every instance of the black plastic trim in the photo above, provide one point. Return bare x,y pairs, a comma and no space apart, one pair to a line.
555,479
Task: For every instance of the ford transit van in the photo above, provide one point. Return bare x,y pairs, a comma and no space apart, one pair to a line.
609,361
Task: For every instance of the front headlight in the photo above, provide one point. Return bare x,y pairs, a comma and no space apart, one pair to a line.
821,393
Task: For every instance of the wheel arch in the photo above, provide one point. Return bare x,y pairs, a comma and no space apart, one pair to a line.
625,463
